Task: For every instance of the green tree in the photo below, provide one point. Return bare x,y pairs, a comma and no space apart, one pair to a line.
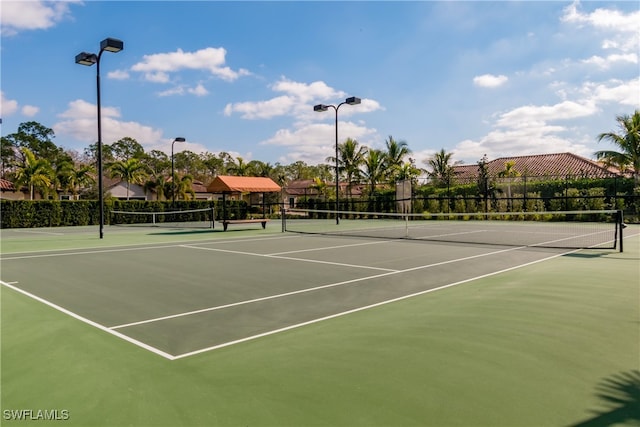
627,140
126,148
81,176
184,188
238,167
350,158
394,157
35,173
132,171
441,169
509,172
374,168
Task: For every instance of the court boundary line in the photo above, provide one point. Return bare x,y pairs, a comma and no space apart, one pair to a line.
88,321
123,248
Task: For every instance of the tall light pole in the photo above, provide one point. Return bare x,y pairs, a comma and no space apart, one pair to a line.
84,58
322,107
173,178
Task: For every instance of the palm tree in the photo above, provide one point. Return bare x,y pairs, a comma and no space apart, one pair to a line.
184,187
374,168
441,169
132,171
350,158
34,173
239,167
396,152
80,177
509,172
628,141
159,184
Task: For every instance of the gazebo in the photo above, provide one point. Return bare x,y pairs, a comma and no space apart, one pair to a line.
226,185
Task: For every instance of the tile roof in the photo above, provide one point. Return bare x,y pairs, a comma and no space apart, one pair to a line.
558,164
6,185
242,184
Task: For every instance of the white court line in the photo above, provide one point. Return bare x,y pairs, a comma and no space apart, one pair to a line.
88,322
39,232
332,247
288,258
131,247
316,288
355,310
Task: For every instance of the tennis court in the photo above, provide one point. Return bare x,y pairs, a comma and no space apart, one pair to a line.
204,306
184,298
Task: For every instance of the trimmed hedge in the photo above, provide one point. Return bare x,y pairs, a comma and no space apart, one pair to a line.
64,213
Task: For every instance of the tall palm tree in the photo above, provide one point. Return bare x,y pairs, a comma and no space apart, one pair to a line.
34,173
132,171
441,168
159,184
81,177
374,168
628,141
350,158
396,152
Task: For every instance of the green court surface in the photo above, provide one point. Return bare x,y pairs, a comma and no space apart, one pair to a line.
154,327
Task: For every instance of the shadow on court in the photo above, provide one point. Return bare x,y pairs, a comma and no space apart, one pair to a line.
620,392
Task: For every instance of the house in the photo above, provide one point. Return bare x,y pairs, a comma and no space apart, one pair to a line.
118,189
307,188
552,165
201,191
9,192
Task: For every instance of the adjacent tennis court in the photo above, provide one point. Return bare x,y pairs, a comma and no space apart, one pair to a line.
179,294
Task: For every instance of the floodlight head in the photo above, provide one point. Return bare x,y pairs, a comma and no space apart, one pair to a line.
320,107
179,139
111,45
85,58
353,100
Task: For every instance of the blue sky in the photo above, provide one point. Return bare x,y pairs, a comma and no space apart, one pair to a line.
474,78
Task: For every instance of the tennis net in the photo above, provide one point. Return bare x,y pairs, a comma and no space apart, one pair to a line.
194,218
562,229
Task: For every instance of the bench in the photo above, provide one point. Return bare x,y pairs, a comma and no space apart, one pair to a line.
226,222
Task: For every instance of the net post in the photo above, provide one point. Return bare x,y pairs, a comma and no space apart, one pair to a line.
620,224
283,214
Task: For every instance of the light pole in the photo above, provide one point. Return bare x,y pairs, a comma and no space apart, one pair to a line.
173,178
84,58
322,107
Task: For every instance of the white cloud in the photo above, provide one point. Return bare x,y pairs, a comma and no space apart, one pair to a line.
7,106
313,143
30,110
623,27
489,80
297,101
199,90
157,66
118,75
19,16
608,19
542,113
80,123
610,60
